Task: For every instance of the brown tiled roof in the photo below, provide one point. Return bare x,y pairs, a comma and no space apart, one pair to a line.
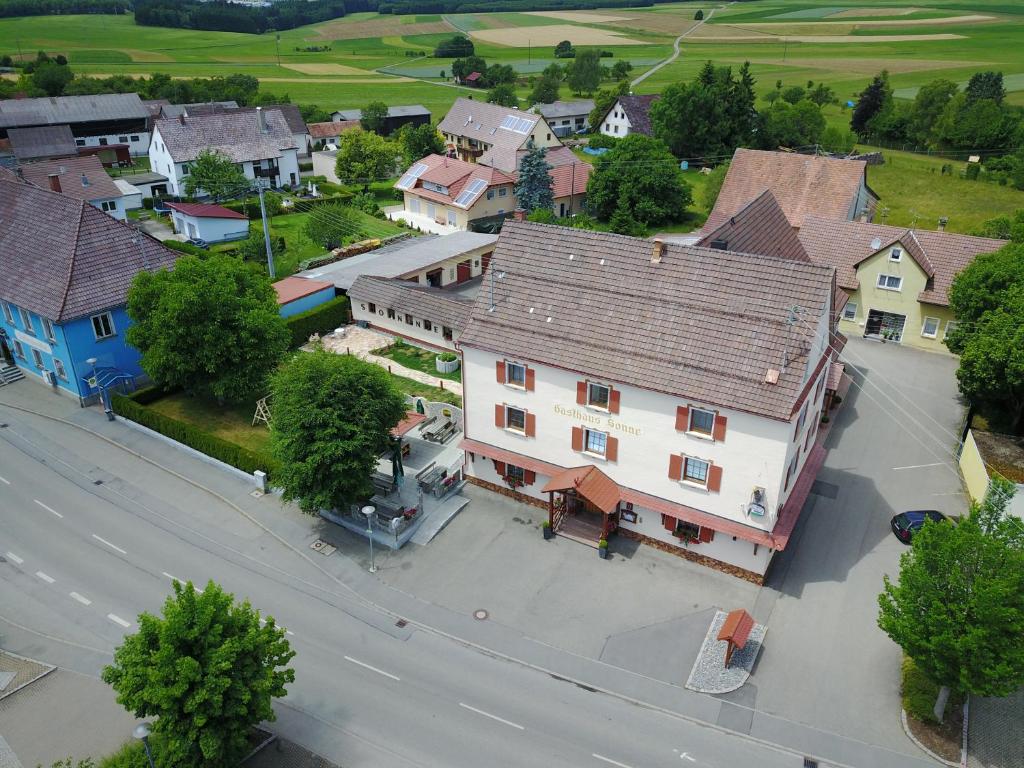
62,259
331,129
236,135
422,301
759,227
481,121
803,185
292,288
845,244
590,483
454,174
566,178
82,178
702,323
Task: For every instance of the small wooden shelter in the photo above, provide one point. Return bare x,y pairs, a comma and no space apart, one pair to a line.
735,631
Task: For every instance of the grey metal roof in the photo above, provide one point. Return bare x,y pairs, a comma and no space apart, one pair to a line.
55,110
236,135
42,141
404,110
438,305
401,258
200,107
63,259
697,323
560,109
146,177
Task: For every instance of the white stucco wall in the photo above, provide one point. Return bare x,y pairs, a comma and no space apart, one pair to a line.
209,229
616,123
137,148
398,326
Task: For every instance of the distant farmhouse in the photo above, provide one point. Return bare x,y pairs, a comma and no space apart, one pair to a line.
628,115
409,114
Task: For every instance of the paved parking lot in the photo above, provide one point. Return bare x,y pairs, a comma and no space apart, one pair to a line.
825,663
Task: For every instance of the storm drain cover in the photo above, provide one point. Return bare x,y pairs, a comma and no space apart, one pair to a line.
322,547
480,614
257,494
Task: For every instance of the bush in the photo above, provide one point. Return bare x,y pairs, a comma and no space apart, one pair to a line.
187,434
600,141
973,171
919,693
148,395
131,755
147,203
367,203
176,245
306,166
447,357
322,319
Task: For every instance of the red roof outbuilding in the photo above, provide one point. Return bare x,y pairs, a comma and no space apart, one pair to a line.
206,211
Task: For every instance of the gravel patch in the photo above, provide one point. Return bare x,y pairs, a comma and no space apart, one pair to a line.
709,674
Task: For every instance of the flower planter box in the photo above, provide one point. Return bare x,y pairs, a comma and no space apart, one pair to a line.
446,366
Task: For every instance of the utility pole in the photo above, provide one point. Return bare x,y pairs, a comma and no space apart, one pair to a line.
277,45
266,231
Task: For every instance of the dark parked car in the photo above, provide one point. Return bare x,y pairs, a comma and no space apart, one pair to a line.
906,524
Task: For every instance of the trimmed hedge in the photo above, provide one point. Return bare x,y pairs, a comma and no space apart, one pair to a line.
919,693
187,434
177,245
321,319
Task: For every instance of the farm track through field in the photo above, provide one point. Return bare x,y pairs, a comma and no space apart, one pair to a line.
675,47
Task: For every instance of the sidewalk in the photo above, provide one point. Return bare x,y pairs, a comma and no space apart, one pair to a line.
371,597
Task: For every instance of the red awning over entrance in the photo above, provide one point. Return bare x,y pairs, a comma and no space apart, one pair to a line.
590,483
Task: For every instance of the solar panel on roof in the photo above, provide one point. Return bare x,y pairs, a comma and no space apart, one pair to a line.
517,124
409,179
476,186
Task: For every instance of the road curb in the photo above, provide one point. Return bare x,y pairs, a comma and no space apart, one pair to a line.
922,747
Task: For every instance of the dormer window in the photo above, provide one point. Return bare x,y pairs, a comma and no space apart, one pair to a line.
896,254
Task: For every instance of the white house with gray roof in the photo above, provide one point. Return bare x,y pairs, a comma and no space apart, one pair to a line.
567,117
261,143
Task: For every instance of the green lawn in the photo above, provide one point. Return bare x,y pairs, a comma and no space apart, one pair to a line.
416,358
228,422
434,394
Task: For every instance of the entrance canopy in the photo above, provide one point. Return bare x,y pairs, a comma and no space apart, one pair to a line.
590,483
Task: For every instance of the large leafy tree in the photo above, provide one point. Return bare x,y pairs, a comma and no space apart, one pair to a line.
929,104
640,177
957,608
210,326
419,141
461,68
584,73
363,157
332,419
545,90
872,102
207,670
980,124
215,175
791,125
986,85
374,117
331,226
534,187
503,94
708,117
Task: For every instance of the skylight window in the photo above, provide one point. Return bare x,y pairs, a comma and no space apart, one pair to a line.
470,193
408,181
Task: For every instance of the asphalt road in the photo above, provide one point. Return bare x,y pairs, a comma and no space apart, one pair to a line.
85,550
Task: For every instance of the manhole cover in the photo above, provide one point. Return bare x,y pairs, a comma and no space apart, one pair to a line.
257,494
401,623
97,482
480,615
322,547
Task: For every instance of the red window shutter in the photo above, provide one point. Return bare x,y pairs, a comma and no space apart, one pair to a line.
613,401
500,369
581,392
706,535
682,418
499,467
529,477
719,433
499,416
531,425
714,478
611,449
668,522
530,375
675,467
577,438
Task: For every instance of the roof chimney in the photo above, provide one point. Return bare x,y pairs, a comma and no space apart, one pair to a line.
658,252
520,214
943,221
261,118
55,182
181,118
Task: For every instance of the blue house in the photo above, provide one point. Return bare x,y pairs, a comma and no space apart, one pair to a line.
65,270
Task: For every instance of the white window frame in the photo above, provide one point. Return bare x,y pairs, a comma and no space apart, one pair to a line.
453,220
19,349
37,359
109,321
587,432
8,314
691,430
883,282
692,480
896,255
510,380
847,314
509,409
591,385
58,368
924,326
950,327
48,330
26,320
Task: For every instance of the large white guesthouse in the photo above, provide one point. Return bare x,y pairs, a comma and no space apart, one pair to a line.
658,391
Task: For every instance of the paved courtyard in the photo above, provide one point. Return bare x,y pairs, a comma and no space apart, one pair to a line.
825,663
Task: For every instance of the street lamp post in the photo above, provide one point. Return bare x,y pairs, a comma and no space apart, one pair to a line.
141,732
368,510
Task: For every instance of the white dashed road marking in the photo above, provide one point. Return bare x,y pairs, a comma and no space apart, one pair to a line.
81,599
116,548
118,620
14,558
372,669
609,760
44,577
5,481
48,509
495,717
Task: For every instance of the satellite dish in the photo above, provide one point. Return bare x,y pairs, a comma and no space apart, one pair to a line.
876,243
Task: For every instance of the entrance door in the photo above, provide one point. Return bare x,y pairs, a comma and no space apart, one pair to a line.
885,325
434,277
464,271
6,358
